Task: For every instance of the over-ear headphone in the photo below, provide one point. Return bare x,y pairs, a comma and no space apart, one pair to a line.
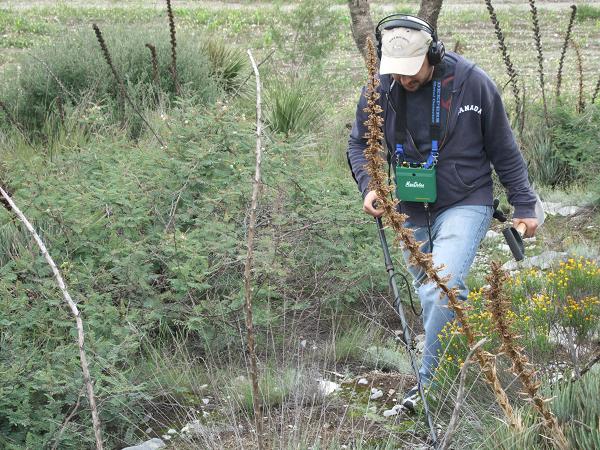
436,51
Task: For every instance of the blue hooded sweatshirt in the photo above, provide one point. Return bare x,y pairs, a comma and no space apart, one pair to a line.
476,136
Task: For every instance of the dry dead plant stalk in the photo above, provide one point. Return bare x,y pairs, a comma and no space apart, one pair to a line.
563,51
120,83
510,68
394,219
580,100
256,187
154,60
173,48
537,38
74,310
499,306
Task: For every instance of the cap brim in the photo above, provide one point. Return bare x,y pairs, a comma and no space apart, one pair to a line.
401,66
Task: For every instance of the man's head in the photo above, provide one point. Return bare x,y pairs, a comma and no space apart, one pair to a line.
408,49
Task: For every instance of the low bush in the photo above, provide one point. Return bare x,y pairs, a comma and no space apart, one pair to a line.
562,154
291,105
71,73
149,240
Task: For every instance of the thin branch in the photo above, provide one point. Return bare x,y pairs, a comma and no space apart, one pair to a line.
74,310
460,397
53,75
68,419
231,96
258,420
588,366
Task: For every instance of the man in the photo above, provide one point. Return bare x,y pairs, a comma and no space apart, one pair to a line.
445,125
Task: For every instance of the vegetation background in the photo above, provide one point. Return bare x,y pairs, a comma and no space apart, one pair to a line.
151,239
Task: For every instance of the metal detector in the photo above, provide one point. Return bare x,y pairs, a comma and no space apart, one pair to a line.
389,267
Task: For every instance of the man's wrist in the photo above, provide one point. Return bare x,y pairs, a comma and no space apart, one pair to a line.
524,211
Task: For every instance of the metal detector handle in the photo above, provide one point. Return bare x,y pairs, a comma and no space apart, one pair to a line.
514,239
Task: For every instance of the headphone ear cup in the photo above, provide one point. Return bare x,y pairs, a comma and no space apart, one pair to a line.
436,53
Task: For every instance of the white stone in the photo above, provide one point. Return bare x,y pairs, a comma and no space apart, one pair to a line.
327,387
363,381
491,234
376,393
152,444
172,431
392,412
543,261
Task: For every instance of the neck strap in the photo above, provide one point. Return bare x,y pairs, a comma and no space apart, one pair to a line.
434,129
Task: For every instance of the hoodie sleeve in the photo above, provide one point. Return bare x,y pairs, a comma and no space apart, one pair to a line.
356,146
503,152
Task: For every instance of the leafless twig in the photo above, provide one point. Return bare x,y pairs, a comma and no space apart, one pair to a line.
74,310
68,419
460,397
248,265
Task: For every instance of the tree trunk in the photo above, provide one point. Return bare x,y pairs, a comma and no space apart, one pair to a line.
362,24
430,10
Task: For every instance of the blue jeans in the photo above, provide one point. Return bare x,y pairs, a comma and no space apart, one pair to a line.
456,235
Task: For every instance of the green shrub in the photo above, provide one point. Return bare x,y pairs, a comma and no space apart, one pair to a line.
587,12
573,404
291,105
562,154
308,34
85,78
150,240
226,63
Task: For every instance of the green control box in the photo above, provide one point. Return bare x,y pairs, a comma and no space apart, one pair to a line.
416,184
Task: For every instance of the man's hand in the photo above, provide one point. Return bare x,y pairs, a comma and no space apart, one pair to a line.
531,225
368,207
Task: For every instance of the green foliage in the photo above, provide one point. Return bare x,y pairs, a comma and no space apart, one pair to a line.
86,81
572,407
291,105
308,34
562,154
275,387
587,12
226,63
151,239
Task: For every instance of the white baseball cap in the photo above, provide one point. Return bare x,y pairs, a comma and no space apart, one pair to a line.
403,50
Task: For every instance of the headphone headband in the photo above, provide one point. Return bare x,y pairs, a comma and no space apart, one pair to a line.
436,51
406,21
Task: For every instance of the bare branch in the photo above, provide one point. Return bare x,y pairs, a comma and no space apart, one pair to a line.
460,397
61,284
248,265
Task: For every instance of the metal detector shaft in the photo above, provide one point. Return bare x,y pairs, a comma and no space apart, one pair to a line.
389,267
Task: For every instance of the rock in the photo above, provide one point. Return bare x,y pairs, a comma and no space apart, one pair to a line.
376,393
420,343
152,444
503,247
560,209
327,387
491,234
172,431
363,381
396,409
543,261
195,428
